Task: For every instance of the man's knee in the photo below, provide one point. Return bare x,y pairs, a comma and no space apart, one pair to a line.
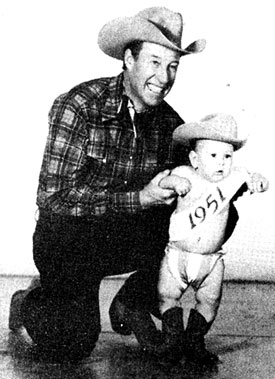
69,330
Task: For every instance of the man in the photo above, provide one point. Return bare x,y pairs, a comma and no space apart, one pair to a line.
101,210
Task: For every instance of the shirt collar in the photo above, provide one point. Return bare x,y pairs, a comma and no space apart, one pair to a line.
112,102
116,97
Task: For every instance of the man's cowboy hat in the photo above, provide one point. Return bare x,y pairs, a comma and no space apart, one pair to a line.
156,24
218,127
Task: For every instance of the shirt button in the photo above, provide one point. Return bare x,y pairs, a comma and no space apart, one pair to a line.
125,182
131,157
104,160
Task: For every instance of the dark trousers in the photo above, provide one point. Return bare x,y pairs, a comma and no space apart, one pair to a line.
73,255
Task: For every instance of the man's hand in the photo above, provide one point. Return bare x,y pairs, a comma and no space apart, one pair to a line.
153,194
257,183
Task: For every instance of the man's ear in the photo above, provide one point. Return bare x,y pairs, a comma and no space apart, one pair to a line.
193,157
128,59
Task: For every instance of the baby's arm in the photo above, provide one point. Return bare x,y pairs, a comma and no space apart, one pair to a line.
178,180
257,183
254,182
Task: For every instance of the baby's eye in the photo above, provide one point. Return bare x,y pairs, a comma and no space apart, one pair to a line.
227,156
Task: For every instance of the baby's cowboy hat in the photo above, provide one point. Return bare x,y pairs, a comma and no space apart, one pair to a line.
217,126
156,24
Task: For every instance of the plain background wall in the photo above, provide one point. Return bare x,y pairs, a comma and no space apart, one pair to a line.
49,46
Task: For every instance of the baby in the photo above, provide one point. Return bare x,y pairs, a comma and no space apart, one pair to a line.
194,255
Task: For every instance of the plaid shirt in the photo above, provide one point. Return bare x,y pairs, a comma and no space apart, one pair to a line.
96,158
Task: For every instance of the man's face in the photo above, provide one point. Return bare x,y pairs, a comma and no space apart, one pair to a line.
151,75
212,159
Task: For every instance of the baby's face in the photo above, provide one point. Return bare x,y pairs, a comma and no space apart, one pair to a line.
213,159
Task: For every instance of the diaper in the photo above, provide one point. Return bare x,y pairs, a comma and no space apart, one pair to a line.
190,268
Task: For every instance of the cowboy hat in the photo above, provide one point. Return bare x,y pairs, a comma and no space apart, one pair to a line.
156,24
217,126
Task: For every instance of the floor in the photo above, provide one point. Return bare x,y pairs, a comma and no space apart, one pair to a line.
243,335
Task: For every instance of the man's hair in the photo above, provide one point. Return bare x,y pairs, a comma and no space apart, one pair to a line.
135,47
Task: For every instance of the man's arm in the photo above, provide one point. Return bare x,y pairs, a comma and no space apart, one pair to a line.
71,178
159,191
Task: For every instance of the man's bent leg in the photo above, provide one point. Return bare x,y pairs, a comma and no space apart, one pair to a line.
15,314
144,241
62,329
62,316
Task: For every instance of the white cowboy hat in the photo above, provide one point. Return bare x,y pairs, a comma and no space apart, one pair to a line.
156,24
217,126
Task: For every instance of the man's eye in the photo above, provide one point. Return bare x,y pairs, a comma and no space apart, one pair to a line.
213,155
174,67
156,63
228,156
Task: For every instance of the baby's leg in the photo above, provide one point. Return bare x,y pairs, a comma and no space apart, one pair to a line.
169,288
208,295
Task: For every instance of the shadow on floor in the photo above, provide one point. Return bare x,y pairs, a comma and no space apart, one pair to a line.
243,335
119,357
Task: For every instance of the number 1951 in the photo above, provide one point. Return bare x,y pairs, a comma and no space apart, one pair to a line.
200,212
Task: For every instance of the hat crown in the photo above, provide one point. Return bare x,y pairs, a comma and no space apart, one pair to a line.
217,126
221,124
157,25
169,23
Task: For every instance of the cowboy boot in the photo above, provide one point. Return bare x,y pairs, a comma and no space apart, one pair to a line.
194,348
144,329
117,314
15,315
126,321
173,331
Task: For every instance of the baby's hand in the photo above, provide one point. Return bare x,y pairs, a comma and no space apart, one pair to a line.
178,184
182,186
257,183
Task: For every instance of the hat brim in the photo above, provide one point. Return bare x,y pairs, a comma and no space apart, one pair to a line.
186,133
118,33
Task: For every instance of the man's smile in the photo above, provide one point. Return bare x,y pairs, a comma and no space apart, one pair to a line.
156,89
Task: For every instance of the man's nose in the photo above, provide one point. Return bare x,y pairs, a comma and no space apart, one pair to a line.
163,75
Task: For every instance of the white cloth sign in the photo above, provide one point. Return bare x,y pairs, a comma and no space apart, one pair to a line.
211,203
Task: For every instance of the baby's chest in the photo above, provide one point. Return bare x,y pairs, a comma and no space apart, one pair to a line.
199,204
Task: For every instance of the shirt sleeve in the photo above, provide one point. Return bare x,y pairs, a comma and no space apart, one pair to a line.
125,201
69,181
